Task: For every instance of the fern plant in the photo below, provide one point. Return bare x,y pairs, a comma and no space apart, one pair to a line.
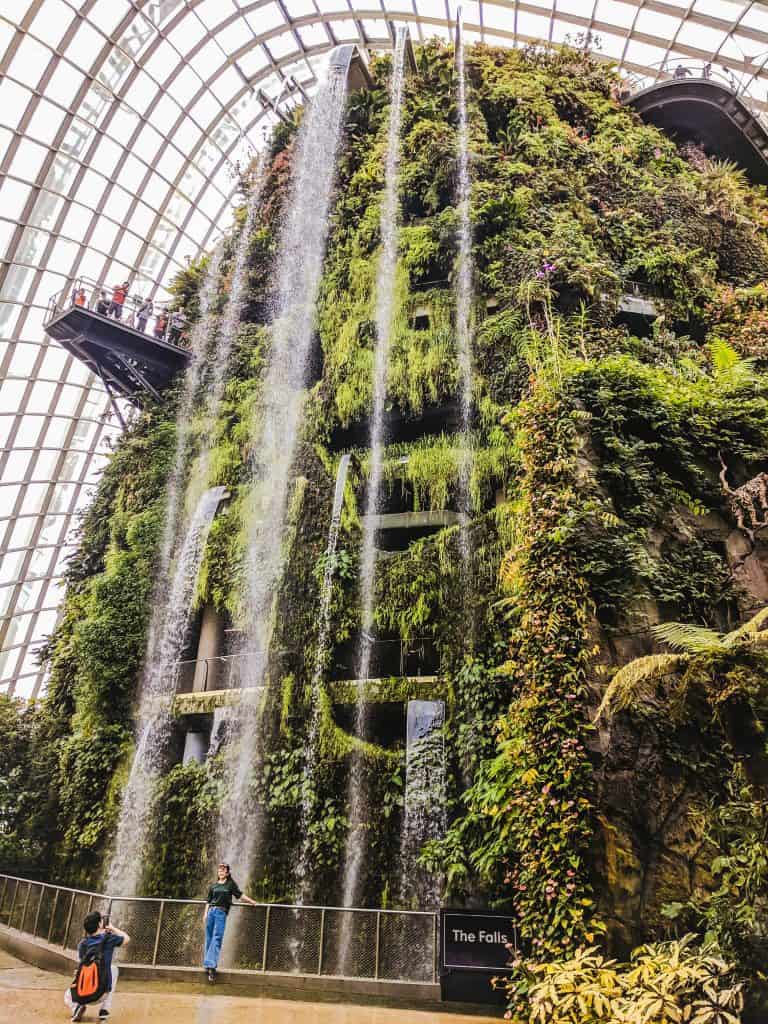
635,682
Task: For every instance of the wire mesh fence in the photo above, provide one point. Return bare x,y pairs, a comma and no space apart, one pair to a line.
385,945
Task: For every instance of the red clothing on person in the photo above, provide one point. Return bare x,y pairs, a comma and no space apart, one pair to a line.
118,295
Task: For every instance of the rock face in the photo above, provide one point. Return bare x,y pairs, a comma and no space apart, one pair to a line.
649,847
748,560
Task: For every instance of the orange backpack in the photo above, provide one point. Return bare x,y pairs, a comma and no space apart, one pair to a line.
90,981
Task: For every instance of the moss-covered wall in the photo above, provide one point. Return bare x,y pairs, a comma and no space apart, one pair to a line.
598,511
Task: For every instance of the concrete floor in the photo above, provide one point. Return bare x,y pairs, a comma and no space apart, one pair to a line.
27,993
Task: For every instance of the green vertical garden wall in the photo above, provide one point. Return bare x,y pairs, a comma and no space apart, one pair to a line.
599,511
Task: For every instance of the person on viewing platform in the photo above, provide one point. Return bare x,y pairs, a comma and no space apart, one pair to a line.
96,975
143,313
682,72
178,321
102,305
160,325
80,299
119,293
217,907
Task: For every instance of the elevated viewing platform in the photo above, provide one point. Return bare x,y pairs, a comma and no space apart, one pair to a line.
132,363
699,104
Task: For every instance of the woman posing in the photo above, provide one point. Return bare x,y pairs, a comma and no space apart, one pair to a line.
217,907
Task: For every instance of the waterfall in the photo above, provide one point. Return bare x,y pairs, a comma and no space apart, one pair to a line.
174,492
385,293
328,573
125,869
464,295
170,608
299,270
228,327
154,717
357,795
326,592
424,816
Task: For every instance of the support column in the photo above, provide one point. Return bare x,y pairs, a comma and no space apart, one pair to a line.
210,646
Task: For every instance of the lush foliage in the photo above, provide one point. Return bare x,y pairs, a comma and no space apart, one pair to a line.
598,447
670,983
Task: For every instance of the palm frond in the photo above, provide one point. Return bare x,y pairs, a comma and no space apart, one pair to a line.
749,629
683,636
634,683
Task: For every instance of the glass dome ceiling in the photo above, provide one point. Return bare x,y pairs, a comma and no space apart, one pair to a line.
122,123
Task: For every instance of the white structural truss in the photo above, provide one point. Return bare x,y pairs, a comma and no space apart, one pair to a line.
122,123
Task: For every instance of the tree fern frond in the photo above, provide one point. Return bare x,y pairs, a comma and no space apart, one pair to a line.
749,629
723,355
728,367
632,684
683,636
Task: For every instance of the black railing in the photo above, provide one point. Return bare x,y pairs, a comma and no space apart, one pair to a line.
409,657
97,298
415,656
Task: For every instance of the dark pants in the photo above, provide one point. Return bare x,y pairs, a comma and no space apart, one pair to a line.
141,323
116,310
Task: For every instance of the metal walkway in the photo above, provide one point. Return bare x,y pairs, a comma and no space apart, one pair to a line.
700,107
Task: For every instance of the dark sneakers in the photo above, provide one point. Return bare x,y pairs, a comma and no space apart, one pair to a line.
79,1010
103,1014
211,975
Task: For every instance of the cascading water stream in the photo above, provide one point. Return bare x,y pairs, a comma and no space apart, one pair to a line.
299,269
170,608
154,718
326,588
385,294
357,794
174,492
464,296
326,592
126,865
424,815
227,329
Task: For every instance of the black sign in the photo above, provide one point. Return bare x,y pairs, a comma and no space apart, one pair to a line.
475,942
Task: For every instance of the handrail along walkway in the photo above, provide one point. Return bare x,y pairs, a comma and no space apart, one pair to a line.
271,938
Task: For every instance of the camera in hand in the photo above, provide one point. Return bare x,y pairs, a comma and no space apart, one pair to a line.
105,921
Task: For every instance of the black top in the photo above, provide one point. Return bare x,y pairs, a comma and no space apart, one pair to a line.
111,942
220,894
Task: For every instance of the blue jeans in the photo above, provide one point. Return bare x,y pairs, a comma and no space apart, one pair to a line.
215,924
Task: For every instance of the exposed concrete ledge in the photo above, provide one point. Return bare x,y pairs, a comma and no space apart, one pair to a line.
386,690
288,986
203,702
639,305
413,520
